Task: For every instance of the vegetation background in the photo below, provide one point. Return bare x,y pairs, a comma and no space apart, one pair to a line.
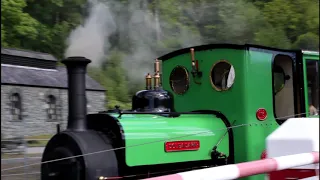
123,37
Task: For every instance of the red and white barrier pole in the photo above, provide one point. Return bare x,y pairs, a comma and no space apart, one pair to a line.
295,136
235,171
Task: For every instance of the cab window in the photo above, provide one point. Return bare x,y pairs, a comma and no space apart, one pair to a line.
283,89
312,80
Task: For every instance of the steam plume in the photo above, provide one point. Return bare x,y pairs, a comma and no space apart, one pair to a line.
89,39
135,24
148,33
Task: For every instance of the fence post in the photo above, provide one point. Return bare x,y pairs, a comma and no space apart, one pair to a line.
58,128
25,144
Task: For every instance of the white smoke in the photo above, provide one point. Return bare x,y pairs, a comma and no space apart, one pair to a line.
89,39
148,33
143,29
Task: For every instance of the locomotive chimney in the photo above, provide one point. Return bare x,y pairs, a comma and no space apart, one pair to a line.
76,67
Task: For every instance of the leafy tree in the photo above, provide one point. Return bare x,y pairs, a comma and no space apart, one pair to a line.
114,70
295,17
273,37
308,41
311,18
44,25
240,20
3,35
112,76
18,27
58,18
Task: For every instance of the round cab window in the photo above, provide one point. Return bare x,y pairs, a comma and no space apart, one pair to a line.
179,80
222,75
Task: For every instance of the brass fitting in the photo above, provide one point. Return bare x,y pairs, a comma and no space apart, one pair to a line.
192,57
156,79
148,81
157,66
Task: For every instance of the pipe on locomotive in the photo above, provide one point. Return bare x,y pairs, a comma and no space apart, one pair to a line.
156,77
148,82
76,67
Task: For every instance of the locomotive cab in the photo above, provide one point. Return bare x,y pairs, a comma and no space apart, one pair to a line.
253,85
296,85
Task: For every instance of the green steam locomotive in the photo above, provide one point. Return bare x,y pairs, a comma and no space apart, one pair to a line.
209,105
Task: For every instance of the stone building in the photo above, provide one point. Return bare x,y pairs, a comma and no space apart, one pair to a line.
34,96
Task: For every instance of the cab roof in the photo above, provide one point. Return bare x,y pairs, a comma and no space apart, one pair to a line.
227,46
310,52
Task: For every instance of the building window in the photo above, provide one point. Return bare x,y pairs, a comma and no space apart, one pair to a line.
312,68
16,106
52,108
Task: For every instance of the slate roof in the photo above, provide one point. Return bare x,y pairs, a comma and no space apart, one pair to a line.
27,53
41,77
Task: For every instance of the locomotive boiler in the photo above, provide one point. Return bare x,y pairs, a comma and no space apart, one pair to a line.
183,119
149,140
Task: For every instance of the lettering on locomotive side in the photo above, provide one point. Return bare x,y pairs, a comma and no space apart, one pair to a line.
173,146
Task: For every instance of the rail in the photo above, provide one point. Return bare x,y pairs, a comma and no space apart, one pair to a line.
240,170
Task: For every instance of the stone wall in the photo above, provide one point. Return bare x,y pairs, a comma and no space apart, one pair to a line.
35,119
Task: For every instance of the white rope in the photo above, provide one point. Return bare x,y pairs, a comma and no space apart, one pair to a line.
115,149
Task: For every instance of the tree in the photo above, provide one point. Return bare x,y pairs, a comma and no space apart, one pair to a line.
295,17
311,18
308,41
114,70
273,37
57,19
149,28
240,20
112,76
18,27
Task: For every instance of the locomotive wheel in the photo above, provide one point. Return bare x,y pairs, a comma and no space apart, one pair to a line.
89,167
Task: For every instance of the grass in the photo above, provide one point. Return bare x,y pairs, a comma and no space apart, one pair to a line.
42,136
7,156
38,143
